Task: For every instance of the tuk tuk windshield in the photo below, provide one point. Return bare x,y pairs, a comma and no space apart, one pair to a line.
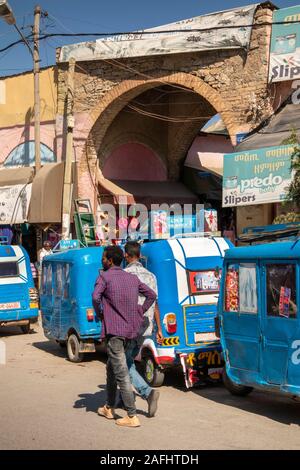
9,269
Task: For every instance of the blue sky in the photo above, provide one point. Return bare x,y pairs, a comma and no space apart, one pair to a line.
96,16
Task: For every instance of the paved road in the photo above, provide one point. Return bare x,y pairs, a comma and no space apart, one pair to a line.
48,403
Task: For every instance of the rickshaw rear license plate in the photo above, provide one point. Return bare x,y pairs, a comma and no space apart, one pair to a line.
198,337
10,306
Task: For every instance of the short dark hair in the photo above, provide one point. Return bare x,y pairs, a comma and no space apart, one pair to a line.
115,253
133,249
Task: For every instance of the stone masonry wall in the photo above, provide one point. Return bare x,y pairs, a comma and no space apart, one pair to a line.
232,82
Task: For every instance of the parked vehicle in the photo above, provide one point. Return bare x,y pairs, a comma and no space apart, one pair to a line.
188,272
18,296
258,317
68,317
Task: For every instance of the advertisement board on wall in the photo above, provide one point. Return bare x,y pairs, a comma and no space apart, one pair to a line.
14,203
285,45
257,176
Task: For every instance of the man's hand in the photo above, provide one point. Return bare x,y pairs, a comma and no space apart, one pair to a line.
159,337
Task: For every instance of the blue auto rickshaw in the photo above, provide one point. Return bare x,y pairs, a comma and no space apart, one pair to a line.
18,296
258,317
68,317
188,272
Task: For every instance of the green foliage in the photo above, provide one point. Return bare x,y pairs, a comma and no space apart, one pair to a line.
293,191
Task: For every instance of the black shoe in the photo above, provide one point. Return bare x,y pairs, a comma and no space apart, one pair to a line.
152,403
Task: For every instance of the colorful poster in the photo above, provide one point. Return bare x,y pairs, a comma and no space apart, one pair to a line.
285,45
257,176
232,290
284,302
204,282
247,289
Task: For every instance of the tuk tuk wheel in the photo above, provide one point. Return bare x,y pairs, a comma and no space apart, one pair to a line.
235,389
154,376
73,349
25,329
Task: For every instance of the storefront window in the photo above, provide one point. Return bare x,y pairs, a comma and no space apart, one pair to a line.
281,290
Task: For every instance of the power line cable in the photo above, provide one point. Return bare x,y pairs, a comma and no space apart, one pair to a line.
133,35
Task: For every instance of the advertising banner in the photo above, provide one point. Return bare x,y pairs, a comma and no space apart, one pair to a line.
182,38
14,203
285,45
257,176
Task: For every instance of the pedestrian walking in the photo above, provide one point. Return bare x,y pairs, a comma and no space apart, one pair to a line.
45,251
134,266
115,300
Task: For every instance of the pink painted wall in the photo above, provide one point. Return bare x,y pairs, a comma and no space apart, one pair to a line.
134,161
10,137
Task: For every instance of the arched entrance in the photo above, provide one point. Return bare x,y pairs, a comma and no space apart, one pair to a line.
134,161
142,131
107,110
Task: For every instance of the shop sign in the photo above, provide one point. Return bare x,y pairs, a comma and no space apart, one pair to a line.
285,46
257,176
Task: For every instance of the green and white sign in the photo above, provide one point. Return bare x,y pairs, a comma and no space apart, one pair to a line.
285,45
257,176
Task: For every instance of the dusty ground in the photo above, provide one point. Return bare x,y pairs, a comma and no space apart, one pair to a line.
47,402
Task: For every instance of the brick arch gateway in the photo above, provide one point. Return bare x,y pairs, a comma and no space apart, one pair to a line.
231,82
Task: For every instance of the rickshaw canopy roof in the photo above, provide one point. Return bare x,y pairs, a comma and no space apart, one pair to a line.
277,250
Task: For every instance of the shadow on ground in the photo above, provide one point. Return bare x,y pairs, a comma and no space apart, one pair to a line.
92,401
51,347
7,332
270,405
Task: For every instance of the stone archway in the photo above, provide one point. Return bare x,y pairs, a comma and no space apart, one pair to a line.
112,103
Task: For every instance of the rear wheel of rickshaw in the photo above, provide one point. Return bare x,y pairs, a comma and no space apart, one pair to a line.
154,376
73,347
235,389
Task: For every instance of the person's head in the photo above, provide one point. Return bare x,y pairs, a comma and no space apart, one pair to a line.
112,256
132,251
47,245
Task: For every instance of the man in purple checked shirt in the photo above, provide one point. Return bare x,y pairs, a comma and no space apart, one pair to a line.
115,300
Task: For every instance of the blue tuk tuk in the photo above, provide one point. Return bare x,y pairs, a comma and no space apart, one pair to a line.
258,317
18,296
68,317
188,272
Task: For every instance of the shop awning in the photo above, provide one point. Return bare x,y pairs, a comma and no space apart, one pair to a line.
16,176
207,152
148,192
278,128
113,189
47,191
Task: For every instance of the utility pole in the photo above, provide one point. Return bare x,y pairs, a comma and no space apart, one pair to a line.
68,186
36,73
